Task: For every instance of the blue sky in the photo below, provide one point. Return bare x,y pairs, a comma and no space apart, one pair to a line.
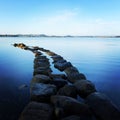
60,17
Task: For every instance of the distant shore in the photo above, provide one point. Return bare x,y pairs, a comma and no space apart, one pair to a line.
44,35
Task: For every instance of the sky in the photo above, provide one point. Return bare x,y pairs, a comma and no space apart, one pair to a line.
60,17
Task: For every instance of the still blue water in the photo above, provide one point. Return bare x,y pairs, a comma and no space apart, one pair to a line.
97,58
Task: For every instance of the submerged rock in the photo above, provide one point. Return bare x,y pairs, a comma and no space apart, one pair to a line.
37,111
22,86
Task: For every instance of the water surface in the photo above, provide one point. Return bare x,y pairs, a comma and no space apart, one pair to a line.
97,58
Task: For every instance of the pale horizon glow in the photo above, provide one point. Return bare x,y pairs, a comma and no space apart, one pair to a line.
60,17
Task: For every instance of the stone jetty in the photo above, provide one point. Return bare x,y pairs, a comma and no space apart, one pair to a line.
65,96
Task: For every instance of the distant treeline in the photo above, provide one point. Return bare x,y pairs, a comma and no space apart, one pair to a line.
43,35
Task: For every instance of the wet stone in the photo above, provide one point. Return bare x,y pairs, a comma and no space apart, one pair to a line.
62,66
75,76
70,105
42,70
68,90
102,107
40,78
37,111
58,76
59,83
41,64
84,88
57,58
41,92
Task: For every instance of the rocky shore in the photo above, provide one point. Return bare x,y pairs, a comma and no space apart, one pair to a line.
66,96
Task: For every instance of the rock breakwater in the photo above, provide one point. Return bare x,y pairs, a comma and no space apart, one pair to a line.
55,96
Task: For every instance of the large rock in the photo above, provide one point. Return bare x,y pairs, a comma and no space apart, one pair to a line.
59,83
71,70
41,64
68,90
37,111
75,117
57,58
62,66
40,78
70,105
42,70
41,92
58,76
75,76
51,53
102,107
84,87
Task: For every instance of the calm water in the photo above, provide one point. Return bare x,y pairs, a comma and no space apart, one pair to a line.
97,58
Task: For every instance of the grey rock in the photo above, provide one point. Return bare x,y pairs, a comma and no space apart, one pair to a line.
71,70
84,87
58,76
62,66
41,64
40,78
37,111
75,76
102,107
57,58
51,53
42,70
68,90
70,105
59,83
41,92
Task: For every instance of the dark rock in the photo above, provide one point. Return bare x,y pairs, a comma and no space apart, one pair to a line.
37,111
68,90
40,78
60,61
36,48
59,83
41,57
41,92
41,64
71,70
62,66
42,70
84,87
57,58
75,76
55,76
102,107
73,117
50,53
70,105
37,54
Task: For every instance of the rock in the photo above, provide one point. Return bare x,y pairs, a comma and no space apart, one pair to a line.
84,88
68,90
42,70
23,86
75,76
62,66
41,64
70,105
37,111
36,48
59,83
60,61
55,76
72,117
71,70
50,53
37,54
75,117
102,107
41,92
57,58
41,57
40,78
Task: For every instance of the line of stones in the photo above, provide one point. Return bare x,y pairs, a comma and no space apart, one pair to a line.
55,96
